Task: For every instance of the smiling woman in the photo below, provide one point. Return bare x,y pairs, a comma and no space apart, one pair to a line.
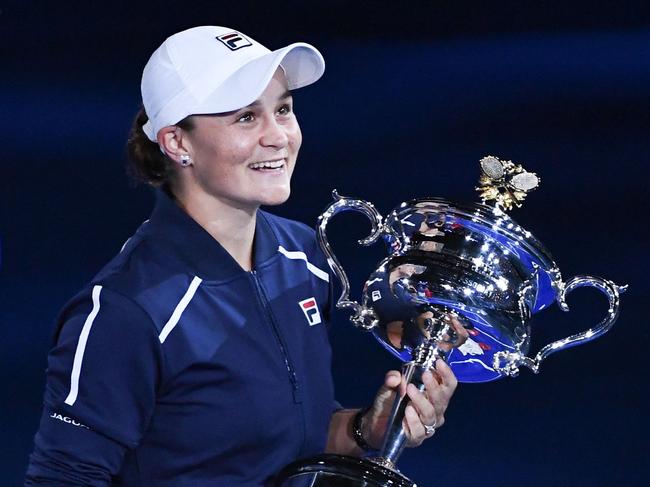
199,355
212,164
244,158
239,161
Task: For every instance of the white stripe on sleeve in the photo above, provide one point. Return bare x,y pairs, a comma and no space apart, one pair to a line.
81,347
180,307
297,255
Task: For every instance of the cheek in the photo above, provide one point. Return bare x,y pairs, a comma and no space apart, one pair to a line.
238,148
216,165
296,138
224,158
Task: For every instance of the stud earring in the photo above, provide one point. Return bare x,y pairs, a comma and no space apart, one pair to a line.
185,160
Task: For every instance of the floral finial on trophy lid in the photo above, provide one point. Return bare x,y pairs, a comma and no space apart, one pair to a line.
504,182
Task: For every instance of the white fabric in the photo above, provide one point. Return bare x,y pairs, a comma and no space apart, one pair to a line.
194,72
298,255
81,348
180,307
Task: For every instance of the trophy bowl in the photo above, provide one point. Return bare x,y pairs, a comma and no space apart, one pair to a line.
462,281
470,262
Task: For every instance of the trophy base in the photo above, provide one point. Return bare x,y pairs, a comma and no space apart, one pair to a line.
339,471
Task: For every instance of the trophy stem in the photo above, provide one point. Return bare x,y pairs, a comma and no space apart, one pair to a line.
395,438
424,357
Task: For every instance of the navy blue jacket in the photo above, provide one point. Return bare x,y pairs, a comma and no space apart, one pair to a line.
175,367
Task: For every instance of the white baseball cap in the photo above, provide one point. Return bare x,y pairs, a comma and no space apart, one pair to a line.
212,69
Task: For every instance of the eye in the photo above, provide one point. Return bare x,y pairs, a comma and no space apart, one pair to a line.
285,109
246,117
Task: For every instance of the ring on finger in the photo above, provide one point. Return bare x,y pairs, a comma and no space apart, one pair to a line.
429,430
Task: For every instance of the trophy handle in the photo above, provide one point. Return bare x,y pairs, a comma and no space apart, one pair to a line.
508,363
363,317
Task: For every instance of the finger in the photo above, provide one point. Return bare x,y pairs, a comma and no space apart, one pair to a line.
434,374
392,379
430,379
433,390
448,378
438,396
423,406
413,426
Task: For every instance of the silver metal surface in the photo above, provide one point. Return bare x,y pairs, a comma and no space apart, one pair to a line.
363,317
508,363
469,266
395,438
461,283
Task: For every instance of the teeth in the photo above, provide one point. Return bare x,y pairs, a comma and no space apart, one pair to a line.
267,164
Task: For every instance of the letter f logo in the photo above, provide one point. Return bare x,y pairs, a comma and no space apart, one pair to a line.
310,310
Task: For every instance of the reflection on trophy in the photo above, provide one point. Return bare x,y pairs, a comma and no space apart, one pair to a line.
460,283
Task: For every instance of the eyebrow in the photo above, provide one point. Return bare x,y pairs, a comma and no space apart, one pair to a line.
283,96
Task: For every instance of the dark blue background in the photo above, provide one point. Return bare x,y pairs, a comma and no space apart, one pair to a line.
412,97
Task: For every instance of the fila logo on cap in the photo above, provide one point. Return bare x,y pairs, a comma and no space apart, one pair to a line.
310,309
234,40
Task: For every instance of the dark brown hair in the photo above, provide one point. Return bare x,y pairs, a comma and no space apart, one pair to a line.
147,163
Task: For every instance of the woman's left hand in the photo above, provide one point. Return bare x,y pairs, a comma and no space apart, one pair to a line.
424,413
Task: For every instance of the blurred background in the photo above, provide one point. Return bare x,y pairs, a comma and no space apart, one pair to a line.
413,96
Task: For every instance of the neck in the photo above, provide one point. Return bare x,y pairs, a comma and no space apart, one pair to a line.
233,227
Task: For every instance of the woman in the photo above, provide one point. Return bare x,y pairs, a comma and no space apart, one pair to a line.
198,355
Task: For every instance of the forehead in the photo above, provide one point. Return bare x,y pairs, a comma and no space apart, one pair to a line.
276,90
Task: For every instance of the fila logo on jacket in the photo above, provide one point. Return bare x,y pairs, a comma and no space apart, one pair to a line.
310,310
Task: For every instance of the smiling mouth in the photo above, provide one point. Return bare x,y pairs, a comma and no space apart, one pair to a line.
268,166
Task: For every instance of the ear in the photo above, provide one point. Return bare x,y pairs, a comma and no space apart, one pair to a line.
172,142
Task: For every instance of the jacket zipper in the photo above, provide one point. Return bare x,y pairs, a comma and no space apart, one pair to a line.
297,396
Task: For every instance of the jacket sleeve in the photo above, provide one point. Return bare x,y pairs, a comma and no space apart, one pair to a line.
100,391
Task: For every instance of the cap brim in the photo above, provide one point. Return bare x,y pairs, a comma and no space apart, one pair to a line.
302,65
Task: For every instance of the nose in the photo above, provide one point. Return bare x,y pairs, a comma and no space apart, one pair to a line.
274,134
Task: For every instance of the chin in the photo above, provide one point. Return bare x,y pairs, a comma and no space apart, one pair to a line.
276,197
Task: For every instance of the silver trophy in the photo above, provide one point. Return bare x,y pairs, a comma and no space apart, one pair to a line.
460,283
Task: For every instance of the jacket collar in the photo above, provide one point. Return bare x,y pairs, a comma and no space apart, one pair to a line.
171,225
